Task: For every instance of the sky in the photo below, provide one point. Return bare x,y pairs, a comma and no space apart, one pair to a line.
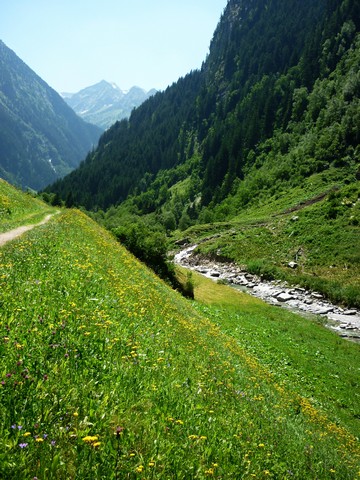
72,44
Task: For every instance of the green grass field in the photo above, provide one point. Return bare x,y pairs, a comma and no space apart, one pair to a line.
106,373
17,208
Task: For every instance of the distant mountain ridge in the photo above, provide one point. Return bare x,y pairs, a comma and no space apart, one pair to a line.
41,138
104,103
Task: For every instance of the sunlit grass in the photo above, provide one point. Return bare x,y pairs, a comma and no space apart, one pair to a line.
107,373
17,208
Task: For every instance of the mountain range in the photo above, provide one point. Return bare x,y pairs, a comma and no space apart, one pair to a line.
41,137
276,100
104,103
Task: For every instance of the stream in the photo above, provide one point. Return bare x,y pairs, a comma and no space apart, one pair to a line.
345,322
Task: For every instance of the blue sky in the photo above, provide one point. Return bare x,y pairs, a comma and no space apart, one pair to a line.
72,44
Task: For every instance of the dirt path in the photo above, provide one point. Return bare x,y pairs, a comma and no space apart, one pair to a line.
12,234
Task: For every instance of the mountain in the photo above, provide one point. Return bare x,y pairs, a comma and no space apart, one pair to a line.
105,103
41,138
265,86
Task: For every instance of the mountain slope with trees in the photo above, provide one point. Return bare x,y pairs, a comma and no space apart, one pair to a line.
265,59
41,138
270,122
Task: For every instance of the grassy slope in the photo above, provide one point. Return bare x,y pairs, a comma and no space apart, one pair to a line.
110,374
17,209
323,237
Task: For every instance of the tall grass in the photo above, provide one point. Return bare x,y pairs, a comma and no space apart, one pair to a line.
107,373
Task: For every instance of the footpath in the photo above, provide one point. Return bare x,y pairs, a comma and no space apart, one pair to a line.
16,232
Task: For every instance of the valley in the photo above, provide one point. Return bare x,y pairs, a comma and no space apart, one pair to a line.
120,356
106,371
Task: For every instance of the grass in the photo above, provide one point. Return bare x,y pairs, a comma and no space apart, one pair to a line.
323,238
107,373
17,208
313,360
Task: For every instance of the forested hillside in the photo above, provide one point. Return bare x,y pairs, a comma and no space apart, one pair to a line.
41,138
281,77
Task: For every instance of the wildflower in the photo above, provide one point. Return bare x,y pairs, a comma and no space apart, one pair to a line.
261,445
75,414
53,443
151,464
96,444
45,377
139,469
26,434
23,445
90,439
39,439
118,431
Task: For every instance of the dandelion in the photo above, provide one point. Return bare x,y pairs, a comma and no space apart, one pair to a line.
26,434
96,444
90,439
139,469
39,439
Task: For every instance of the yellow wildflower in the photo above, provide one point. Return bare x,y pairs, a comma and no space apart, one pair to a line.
90,439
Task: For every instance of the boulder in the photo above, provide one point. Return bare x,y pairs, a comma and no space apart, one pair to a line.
284,297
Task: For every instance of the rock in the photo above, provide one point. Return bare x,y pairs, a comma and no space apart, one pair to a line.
292,265
350,312
319,310
284,297
316,295
213,273
202,270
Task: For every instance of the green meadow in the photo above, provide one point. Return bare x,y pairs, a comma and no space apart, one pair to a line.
107,373
17,208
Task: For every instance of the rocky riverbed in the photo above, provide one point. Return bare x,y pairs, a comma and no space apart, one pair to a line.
346,322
